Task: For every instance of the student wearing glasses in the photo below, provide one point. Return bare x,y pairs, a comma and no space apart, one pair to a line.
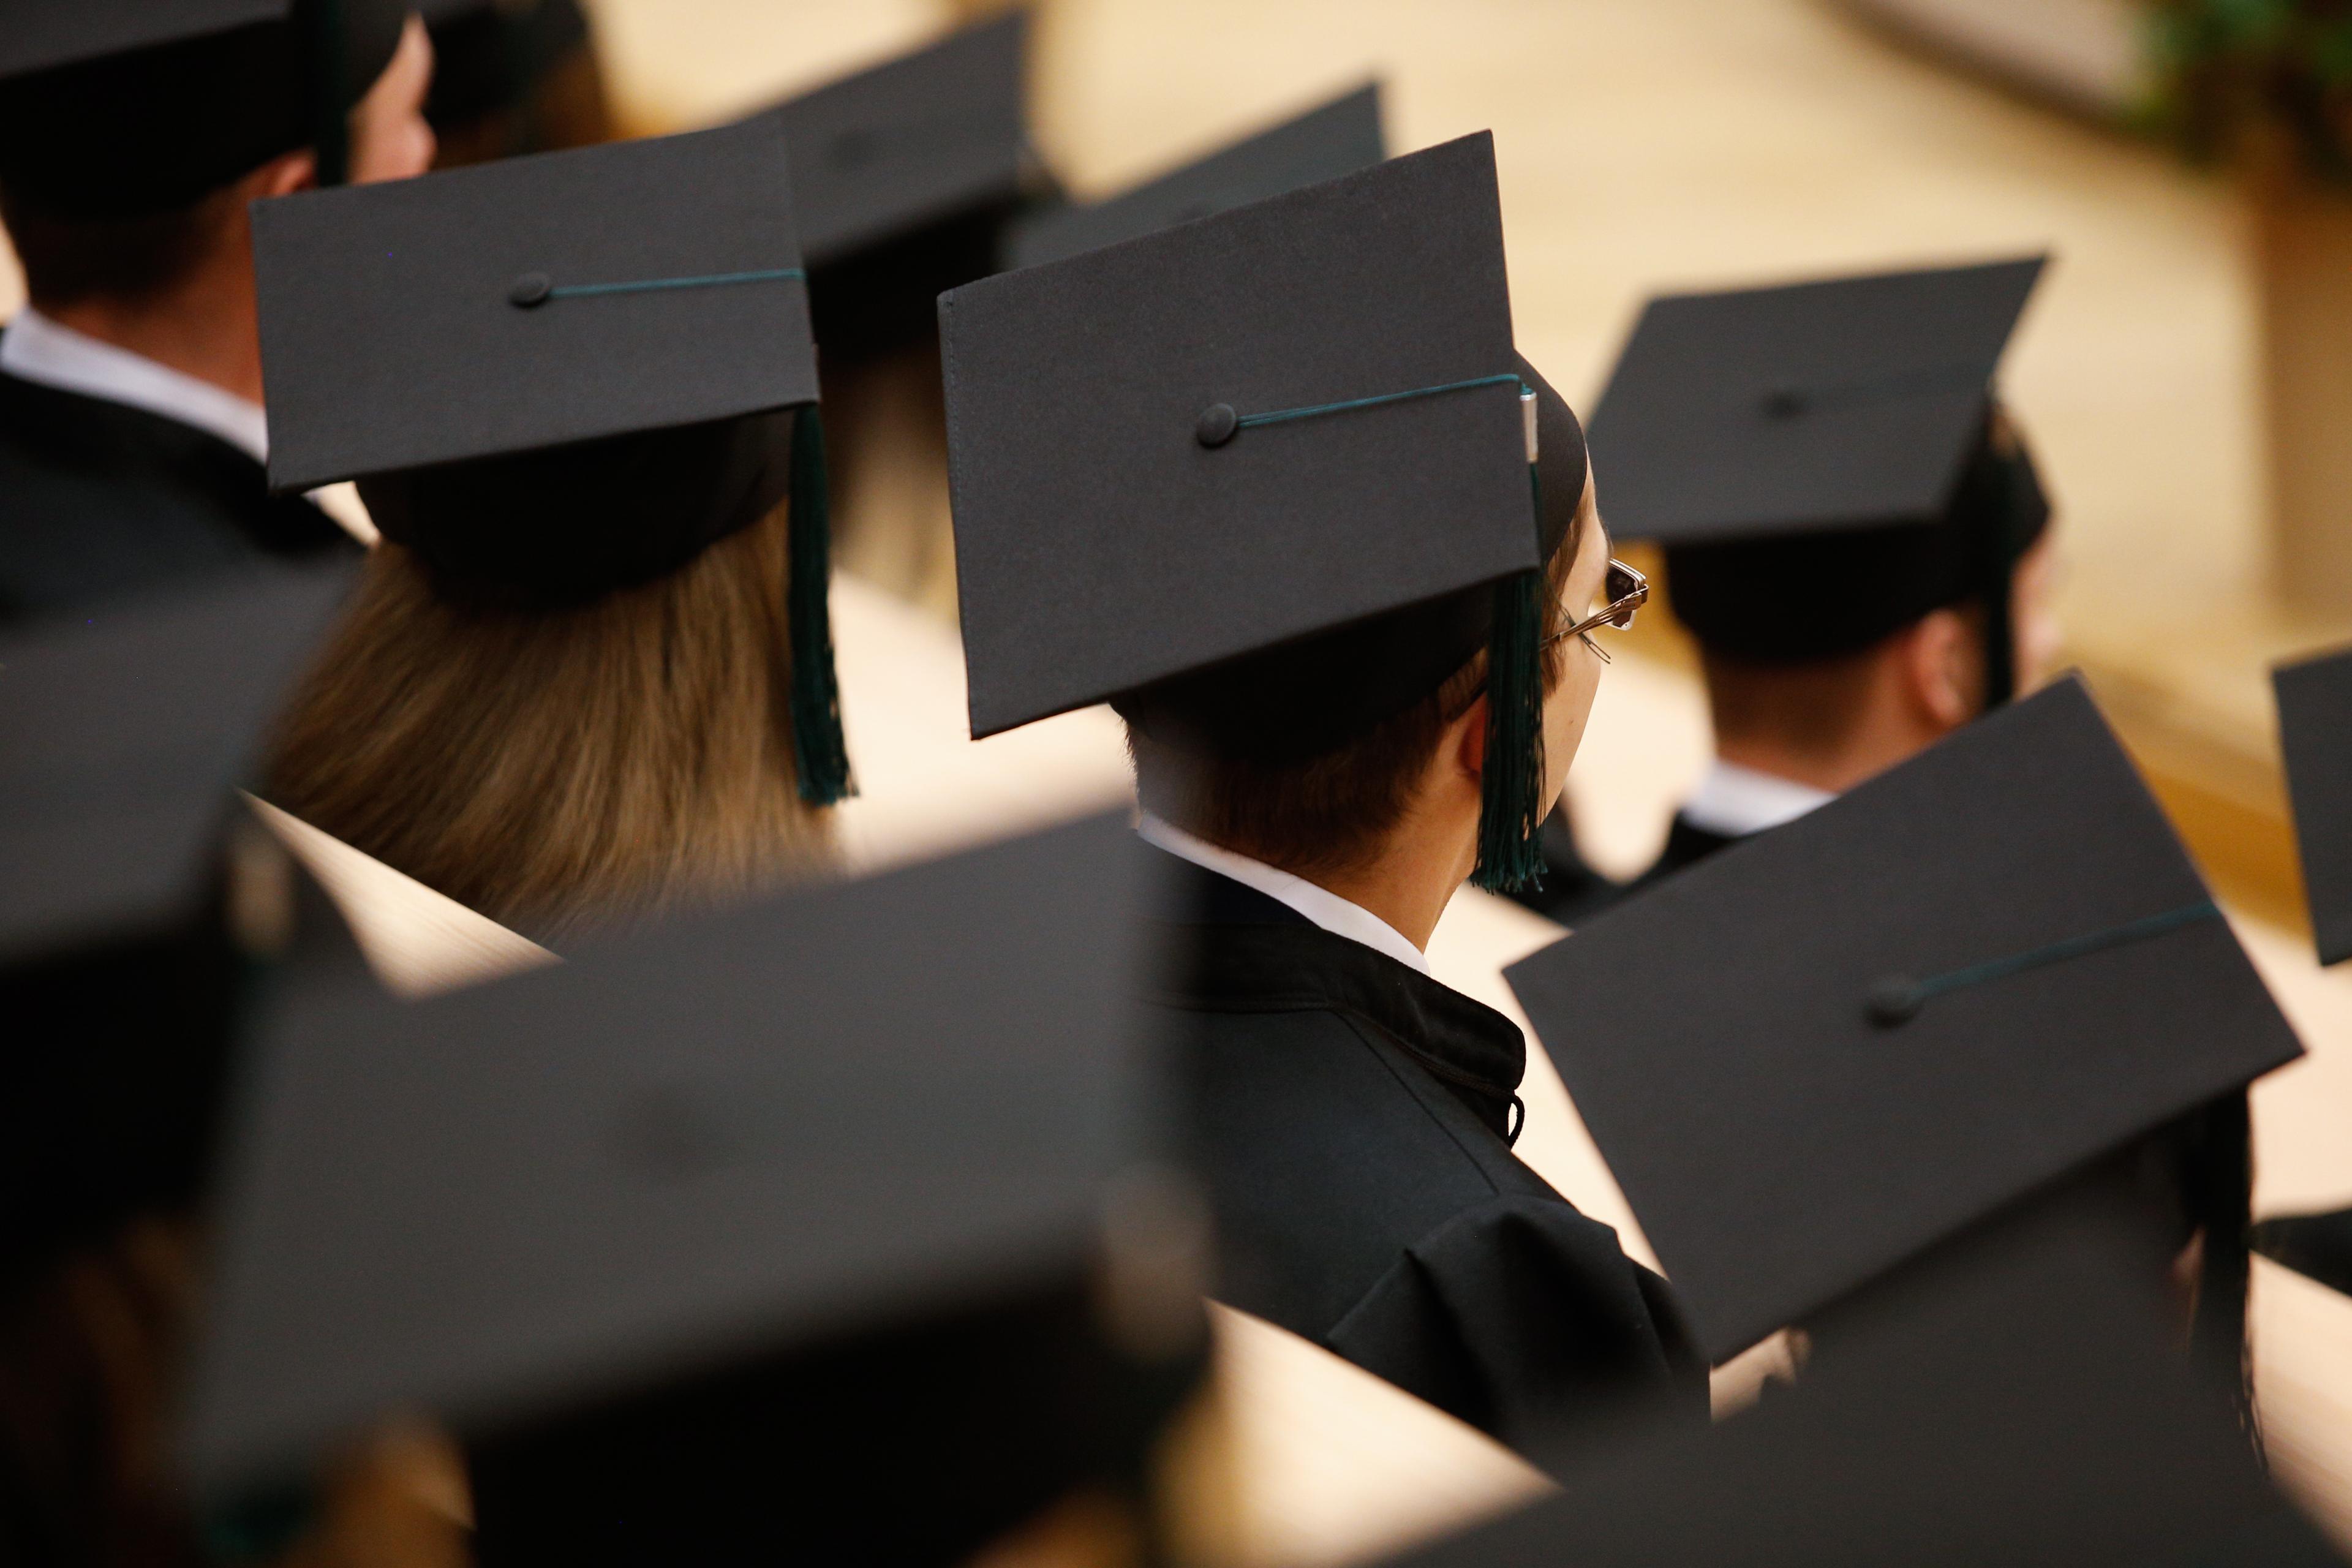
1855,535
1297,555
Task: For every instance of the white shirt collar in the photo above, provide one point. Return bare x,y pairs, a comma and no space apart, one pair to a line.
1325,907
1736,801
37,349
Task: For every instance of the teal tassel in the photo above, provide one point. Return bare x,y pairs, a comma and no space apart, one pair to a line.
261,1527
330,113
1510,815
818,751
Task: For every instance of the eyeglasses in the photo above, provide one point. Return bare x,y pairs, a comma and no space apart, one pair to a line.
1627,590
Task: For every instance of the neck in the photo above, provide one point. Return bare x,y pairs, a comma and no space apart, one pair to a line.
1410,881
206,327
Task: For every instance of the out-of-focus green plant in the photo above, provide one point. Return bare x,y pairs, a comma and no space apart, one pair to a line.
2232,77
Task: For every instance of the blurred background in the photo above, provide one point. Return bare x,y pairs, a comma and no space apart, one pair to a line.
2203,277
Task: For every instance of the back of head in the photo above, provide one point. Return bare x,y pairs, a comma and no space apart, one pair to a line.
554,766
1812,597
1302,756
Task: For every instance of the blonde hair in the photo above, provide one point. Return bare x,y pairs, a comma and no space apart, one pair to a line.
557,769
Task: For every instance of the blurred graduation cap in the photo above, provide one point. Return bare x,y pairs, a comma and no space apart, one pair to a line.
122,955
2024,1403
2315,712
558,377
703,1274
1266,479
120,109
2318,1246
903,176
1334,139
490,56
1823,1050
1824,462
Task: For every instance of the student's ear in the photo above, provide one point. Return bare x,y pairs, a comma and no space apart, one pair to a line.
285,174
1466,739
1940,663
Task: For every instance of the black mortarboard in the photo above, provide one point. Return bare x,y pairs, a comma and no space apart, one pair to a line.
558,377
823,1231
1828,445
2026,1405
1265,478
114,109
122,745
903,176
2314,711
1338,138
2316,1245
1818,1053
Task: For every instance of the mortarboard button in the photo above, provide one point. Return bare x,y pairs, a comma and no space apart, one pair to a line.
1217,425
1894,1001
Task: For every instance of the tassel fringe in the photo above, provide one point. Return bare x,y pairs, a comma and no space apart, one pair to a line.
819,753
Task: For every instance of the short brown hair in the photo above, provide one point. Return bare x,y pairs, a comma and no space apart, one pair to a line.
1330,812
1812,706
68,261
558,769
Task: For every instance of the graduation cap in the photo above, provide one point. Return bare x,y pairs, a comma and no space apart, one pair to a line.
1334,139
1821,1051
558,377
903,176
2318,1246
2314,711
2025,1403
1266,477
119,109
830,1230
1823,461
121,744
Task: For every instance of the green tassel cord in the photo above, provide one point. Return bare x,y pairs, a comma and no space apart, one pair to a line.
818,751
1510,815
330,112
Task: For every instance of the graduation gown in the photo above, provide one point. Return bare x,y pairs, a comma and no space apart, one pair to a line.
1353,1118
1687,843
99,499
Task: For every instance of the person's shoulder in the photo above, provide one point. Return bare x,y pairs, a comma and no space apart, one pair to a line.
1526,1318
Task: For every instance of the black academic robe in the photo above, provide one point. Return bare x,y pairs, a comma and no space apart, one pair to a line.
100,501
1353,1118
1687,843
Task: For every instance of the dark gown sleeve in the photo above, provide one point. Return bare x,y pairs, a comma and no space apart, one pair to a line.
1527,1320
